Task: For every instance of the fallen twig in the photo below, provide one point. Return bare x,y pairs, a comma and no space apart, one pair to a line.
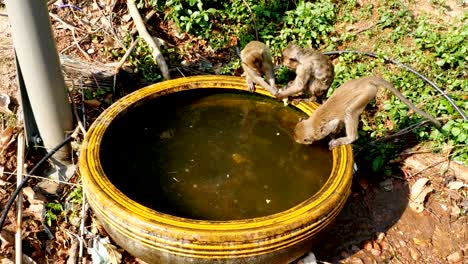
19,201
125,56
84,209
133,44
72,29
45,179
75,113
51,2
157,55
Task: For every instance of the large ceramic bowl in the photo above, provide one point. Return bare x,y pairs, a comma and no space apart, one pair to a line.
157,237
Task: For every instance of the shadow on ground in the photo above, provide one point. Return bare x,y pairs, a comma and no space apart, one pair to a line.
367,213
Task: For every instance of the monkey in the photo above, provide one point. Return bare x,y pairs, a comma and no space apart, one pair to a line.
344,107
256,61
314,71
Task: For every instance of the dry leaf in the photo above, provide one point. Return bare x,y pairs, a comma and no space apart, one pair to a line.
33,197
4,102
104,252
6,136
7,238
28,260
36,211
419,191
92,102
455,210
455,185
309,259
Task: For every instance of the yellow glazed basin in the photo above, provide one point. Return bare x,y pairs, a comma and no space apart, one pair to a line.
157,237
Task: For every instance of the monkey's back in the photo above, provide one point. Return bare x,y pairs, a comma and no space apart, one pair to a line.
254,49
348,94
254,54
320,65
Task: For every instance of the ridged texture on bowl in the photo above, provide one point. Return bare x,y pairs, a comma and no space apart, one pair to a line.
160,238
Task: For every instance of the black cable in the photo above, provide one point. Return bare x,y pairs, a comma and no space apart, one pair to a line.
18,189
371,54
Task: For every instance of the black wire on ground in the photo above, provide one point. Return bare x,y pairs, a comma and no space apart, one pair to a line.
31,172
374,55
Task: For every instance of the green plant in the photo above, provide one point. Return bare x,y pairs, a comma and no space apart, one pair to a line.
191,16
309,24
53,210
230,67
8,119
76,196
449,48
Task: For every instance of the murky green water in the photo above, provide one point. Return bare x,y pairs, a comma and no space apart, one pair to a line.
213,155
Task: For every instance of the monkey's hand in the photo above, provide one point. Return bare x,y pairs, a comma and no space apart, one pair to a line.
251,86
333,144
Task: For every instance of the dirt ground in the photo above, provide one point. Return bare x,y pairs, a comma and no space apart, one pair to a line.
377,224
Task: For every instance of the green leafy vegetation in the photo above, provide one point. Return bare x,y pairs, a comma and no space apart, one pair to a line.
53,211
59,211
433,44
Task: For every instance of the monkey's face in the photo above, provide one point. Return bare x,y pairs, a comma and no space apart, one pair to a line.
303,133
290,57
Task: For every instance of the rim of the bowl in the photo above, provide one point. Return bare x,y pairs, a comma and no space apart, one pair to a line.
91,168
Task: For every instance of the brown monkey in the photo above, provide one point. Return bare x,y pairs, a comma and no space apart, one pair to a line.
256,61
314,71
343,108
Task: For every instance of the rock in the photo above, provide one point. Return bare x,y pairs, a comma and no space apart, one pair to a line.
387,185
355,260
375,252
414,253
455,257
380,237
367,245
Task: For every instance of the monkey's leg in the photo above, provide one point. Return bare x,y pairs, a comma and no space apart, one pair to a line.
351,125
351,121
317,88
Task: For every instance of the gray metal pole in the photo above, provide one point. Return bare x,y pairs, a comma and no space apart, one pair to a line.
40,65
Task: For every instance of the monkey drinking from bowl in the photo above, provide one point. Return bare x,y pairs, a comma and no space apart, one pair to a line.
256,62
344,107
314,71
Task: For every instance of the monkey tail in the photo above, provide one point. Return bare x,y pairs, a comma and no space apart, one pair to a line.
397,93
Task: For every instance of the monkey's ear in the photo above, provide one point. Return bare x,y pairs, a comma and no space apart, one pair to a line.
302,119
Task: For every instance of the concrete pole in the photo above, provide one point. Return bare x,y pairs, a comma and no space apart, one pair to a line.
40,65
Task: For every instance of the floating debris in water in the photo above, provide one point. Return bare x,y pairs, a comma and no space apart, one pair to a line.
277,133
267,201
239,158
166,134
195,186
227,175
175,179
